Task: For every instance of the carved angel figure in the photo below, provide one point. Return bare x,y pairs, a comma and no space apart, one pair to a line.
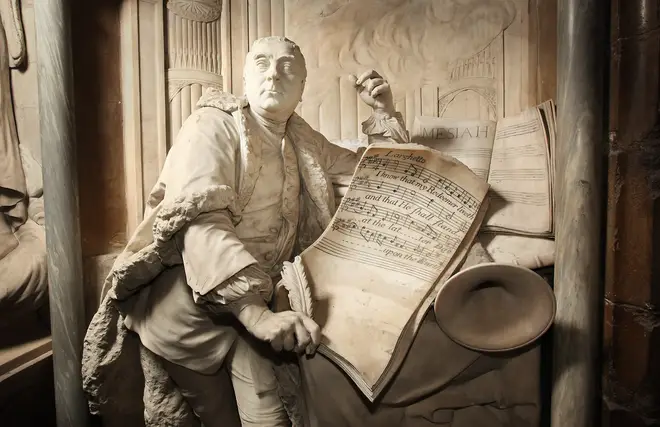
23,267
245,187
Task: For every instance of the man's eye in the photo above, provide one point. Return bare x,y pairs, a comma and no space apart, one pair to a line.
262,65
287,67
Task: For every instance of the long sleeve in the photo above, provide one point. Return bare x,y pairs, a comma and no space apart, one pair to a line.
378,128
204,156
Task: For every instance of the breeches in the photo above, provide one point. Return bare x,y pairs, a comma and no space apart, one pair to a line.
210,396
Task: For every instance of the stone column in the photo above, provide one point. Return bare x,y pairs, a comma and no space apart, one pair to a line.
55,77
581,162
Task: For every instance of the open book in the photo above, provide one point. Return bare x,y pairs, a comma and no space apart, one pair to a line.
403,227
515,156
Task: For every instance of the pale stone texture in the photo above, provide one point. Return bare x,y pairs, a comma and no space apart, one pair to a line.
57,126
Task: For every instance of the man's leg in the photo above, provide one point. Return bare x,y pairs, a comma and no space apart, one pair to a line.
210,396
255,388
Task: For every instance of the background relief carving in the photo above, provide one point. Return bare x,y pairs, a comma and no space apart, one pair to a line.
196,10
417,45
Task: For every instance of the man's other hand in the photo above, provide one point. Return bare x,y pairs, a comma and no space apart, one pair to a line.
287,330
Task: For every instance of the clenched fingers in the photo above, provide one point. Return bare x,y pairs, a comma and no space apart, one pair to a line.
277,343
371,74
314,333
289,341
380,89
303,337
295,331
371,84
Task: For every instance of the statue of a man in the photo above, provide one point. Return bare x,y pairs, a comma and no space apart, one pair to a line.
245,187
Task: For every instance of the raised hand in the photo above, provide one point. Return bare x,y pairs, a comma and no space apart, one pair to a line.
374,91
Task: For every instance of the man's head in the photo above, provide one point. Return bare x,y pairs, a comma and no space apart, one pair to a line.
274,77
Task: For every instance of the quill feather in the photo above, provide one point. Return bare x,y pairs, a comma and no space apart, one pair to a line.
295,282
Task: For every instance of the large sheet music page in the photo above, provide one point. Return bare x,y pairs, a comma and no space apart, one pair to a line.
520,177
405,223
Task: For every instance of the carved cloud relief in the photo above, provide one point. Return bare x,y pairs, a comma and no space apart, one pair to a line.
413,43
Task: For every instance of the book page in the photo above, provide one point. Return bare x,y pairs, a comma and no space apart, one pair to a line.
548,111
470,141
530,252
519,177
399,226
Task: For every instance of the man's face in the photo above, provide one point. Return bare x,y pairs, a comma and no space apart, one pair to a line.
274,78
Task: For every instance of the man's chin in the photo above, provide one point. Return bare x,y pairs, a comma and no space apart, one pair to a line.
272,107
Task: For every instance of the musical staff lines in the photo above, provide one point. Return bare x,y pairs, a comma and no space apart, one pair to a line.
417,199
518,129
519,174
426,177
473,152
525,198
396,241
401,216
518,151
333,248
395,217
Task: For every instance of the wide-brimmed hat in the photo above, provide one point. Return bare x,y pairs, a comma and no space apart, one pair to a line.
494,307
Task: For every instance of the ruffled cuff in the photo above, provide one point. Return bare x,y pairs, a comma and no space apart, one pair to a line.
387,126
249,284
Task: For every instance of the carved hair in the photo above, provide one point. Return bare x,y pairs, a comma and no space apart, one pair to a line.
279,39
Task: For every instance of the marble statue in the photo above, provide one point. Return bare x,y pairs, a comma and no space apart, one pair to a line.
23,266
245,187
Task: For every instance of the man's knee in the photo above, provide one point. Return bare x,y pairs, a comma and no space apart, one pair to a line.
255,388
209,396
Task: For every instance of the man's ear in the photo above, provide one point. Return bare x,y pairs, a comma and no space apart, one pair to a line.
303,88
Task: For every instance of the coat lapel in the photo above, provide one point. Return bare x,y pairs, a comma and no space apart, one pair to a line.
250,152
317,185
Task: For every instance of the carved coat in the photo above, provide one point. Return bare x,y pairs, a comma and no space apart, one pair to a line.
109,349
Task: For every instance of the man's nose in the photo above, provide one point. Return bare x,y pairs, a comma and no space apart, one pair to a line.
272,73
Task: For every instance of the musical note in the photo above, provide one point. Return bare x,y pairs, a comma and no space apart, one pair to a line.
411,170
